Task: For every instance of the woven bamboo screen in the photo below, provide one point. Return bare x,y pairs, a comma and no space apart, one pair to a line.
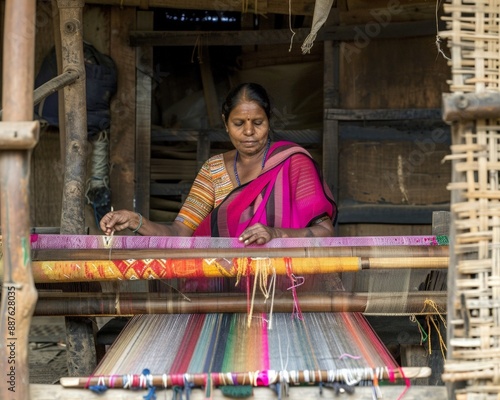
473,359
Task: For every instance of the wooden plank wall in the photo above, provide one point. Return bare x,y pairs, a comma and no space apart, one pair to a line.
394,163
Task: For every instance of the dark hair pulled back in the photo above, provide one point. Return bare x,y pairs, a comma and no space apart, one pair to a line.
246,92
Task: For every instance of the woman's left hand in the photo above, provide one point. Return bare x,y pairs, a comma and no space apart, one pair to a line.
257,234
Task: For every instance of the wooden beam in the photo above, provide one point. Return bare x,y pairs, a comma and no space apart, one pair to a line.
18,297
75,104
331,99
215,38
144,82
122,135
383,114
79,333
134,303
298,7
382,11
279,36
366,32
469,106
57,392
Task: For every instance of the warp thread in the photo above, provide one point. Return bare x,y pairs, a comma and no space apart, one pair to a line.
431,320
296,282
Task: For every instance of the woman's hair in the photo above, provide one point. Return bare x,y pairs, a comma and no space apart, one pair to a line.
246,92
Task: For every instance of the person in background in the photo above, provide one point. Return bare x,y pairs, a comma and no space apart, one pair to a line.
259,191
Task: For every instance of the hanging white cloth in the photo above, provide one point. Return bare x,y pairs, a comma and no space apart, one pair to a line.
321,10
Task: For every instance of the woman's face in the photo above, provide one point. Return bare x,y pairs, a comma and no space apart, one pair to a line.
248,127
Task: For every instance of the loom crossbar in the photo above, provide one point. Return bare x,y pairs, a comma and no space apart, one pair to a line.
304,252
133,303
257,378
108,270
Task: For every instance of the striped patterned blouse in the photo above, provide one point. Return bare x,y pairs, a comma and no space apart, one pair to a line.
211,186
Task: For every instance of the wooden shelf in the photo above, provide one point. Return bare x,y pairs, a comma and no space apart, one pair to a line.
351,213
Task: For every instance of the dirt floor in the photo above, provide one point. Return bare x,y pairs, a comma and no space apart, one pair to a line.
47,350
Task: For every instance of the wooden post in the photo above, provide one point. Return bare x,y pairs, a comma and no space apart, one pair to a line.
18,292
331,99
80,339
144,80
75,104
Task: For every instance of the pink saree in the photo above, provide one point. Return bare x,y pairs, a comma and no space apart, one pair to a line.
289,193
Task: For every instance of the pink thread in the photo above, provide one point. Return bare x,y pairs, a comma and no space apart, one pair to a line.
88,382
249,291
297,281
392,377
177,380
33,237
262,378
296,312
407,384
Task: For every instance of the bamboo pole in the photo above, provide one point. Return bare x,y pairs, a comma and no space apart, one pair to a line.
134,303
137,269
244,378
18,291
342,251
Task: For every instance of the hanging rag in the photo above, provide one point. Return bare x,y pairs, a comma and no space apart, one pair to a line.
321,10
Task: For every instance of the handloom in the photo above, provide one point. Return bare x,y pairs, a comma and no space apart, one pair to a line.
212,350
253,342
146,258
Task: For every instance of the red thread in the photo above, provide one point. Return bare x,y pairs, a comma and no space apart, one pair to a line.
296,312
407,384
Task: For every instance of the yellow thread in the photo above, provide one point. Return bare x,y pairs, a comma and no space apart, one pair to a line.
430,309
262,270
431,306
239,271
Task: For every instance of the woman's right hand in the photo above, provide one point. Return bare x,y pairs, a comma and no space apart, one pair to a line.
116,221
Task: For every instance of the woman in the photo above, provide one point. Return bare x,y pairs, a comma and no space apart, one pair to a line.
257,192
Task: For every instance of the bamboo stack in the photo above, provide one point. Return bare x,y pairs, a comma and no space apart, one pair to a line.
473,307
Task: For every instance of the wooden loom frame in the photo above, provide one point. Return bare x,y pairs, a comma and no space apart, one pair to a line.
14,224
